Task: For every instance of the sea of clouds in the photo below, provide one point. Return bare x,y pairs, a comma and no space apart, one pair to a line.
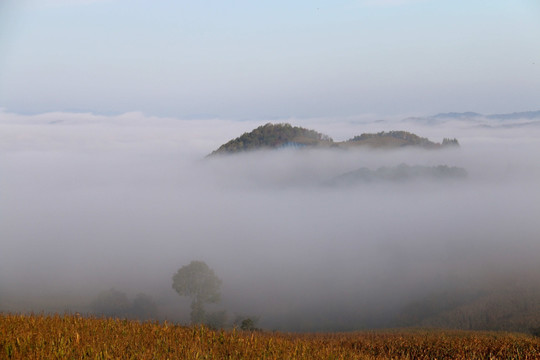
89,202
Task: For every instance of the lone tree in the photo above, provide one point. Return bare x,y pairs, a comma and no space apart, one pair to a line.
199,282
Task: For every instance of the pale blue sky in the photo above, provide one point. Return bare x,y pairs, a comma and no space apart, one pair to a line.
258,59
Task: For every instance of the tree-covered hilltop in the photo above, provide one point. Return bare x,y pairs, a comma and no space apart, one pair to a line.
392,139
274,136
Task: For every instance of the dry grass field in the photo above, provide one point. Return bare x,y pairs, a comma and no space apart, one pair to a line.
76,337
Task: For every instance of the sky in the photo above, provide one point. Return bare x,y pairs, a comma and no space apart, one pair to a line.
269,59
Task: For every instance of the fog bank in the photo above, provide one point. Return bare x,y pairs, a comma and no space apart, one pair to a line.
91,202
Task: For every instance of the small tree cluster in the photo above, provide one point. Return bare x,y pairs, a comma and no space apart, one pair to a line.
114,303
450,142
247,323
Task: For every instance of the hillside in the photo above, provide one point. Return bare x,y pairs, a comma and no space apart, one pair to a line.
271,136
395,139
274,136
515,307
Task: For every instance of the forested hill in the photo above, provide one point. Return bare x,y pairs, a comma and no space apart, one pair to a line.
393,139
272,136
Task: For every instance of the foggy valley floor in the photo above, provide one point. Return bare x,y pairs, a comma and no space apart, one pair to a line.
93,203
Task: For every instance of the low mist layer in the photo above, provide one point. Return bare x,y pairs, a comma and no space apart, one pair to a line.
91,203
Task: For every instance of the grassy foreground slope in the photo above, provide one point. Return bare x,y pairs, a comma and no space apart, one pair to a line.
75,337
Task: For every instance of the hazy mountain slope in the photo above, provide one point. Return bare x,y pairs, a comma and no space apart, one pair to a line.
511,308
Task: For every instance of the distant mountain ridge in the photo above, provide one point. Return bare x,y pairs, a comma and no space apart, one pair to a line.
469,115
516,115
456,115
274,136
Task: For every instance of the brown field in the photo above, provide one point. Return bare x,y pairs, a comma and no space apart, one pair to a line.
76,337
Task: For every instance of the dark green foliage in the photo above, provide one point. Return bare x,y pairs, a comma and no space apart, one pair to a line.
199,282
273,136
410,138
393,139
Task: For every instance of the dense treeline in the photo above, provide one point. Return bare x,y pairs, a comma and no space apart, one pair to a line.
282,135
400,138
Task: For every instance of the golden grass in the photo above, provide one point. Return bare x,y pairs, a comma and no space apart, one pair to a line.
75,337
